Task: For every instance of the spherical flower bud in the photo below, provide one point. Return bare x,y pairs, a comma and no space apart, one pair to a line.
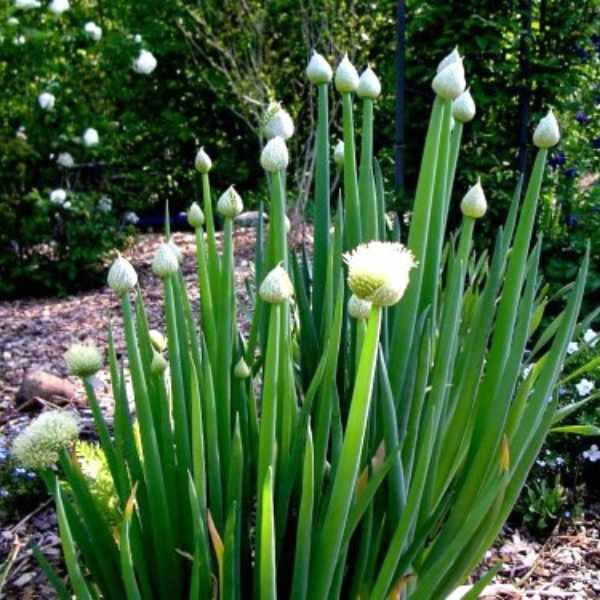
203,163
121,276
276,286
359,309
230,203
450,82
474,204
90,137
165,262
346,76
39,445
145,63
176,251
195,216
275,156
369,85
58,7
463,107
46,100
453,57
379,271
547,133
338,153
241,369
83,360
318,69
278,122
157,339
159,363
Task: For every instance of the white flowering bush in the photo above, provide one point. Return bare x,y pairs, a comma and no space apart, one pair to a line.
371,432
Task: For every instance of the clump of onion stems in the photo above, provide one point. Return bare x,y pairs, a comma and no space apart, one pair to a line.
370,434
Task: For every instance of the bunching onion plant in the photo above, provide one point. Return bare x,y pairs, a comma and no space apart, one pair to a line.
370,433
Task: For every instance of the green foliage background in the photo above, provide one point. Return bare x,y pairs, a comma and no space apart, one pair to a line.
220,63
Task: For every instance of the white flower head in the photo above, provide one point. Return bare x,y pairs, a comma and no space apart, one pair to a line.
241,369
58,7
572,347
275,156
547,132
346,76
369,85
175,249
278,122
121,276
318,70
145,63
105,204
276,286
202,162
450,82
39,445
83,360
65,159
90,137
195,216
338,153
46,100
130,218
584,387
593,454
590,337
27,4
165,262
474,203
379,271
358,308
230,203
58,197
12,21
93,31
453,57
463,107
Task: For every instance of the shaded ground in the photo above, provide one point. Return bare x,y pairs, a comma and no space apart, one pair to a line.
36,333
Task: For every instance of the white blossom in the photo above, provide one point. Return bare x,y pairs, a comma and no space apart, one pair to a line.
318,70
584,387
65,160
369,85
58,7
450,82
593,454
145,63
463,107
46,100
105,204
278,122
27,4
90,137
474,203
547,132
58,197
83,360
276,286
130,218
338,153
572,347
93,31
590,337
346,76
274,156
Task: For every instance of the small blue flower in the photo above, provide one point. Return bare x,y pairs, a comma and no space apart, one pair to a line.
571,173
557,159
19,471
582,118
571,220
31,475
4,493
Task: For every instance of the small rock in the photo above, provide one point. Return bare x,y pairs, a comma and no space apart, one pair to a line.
39,384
